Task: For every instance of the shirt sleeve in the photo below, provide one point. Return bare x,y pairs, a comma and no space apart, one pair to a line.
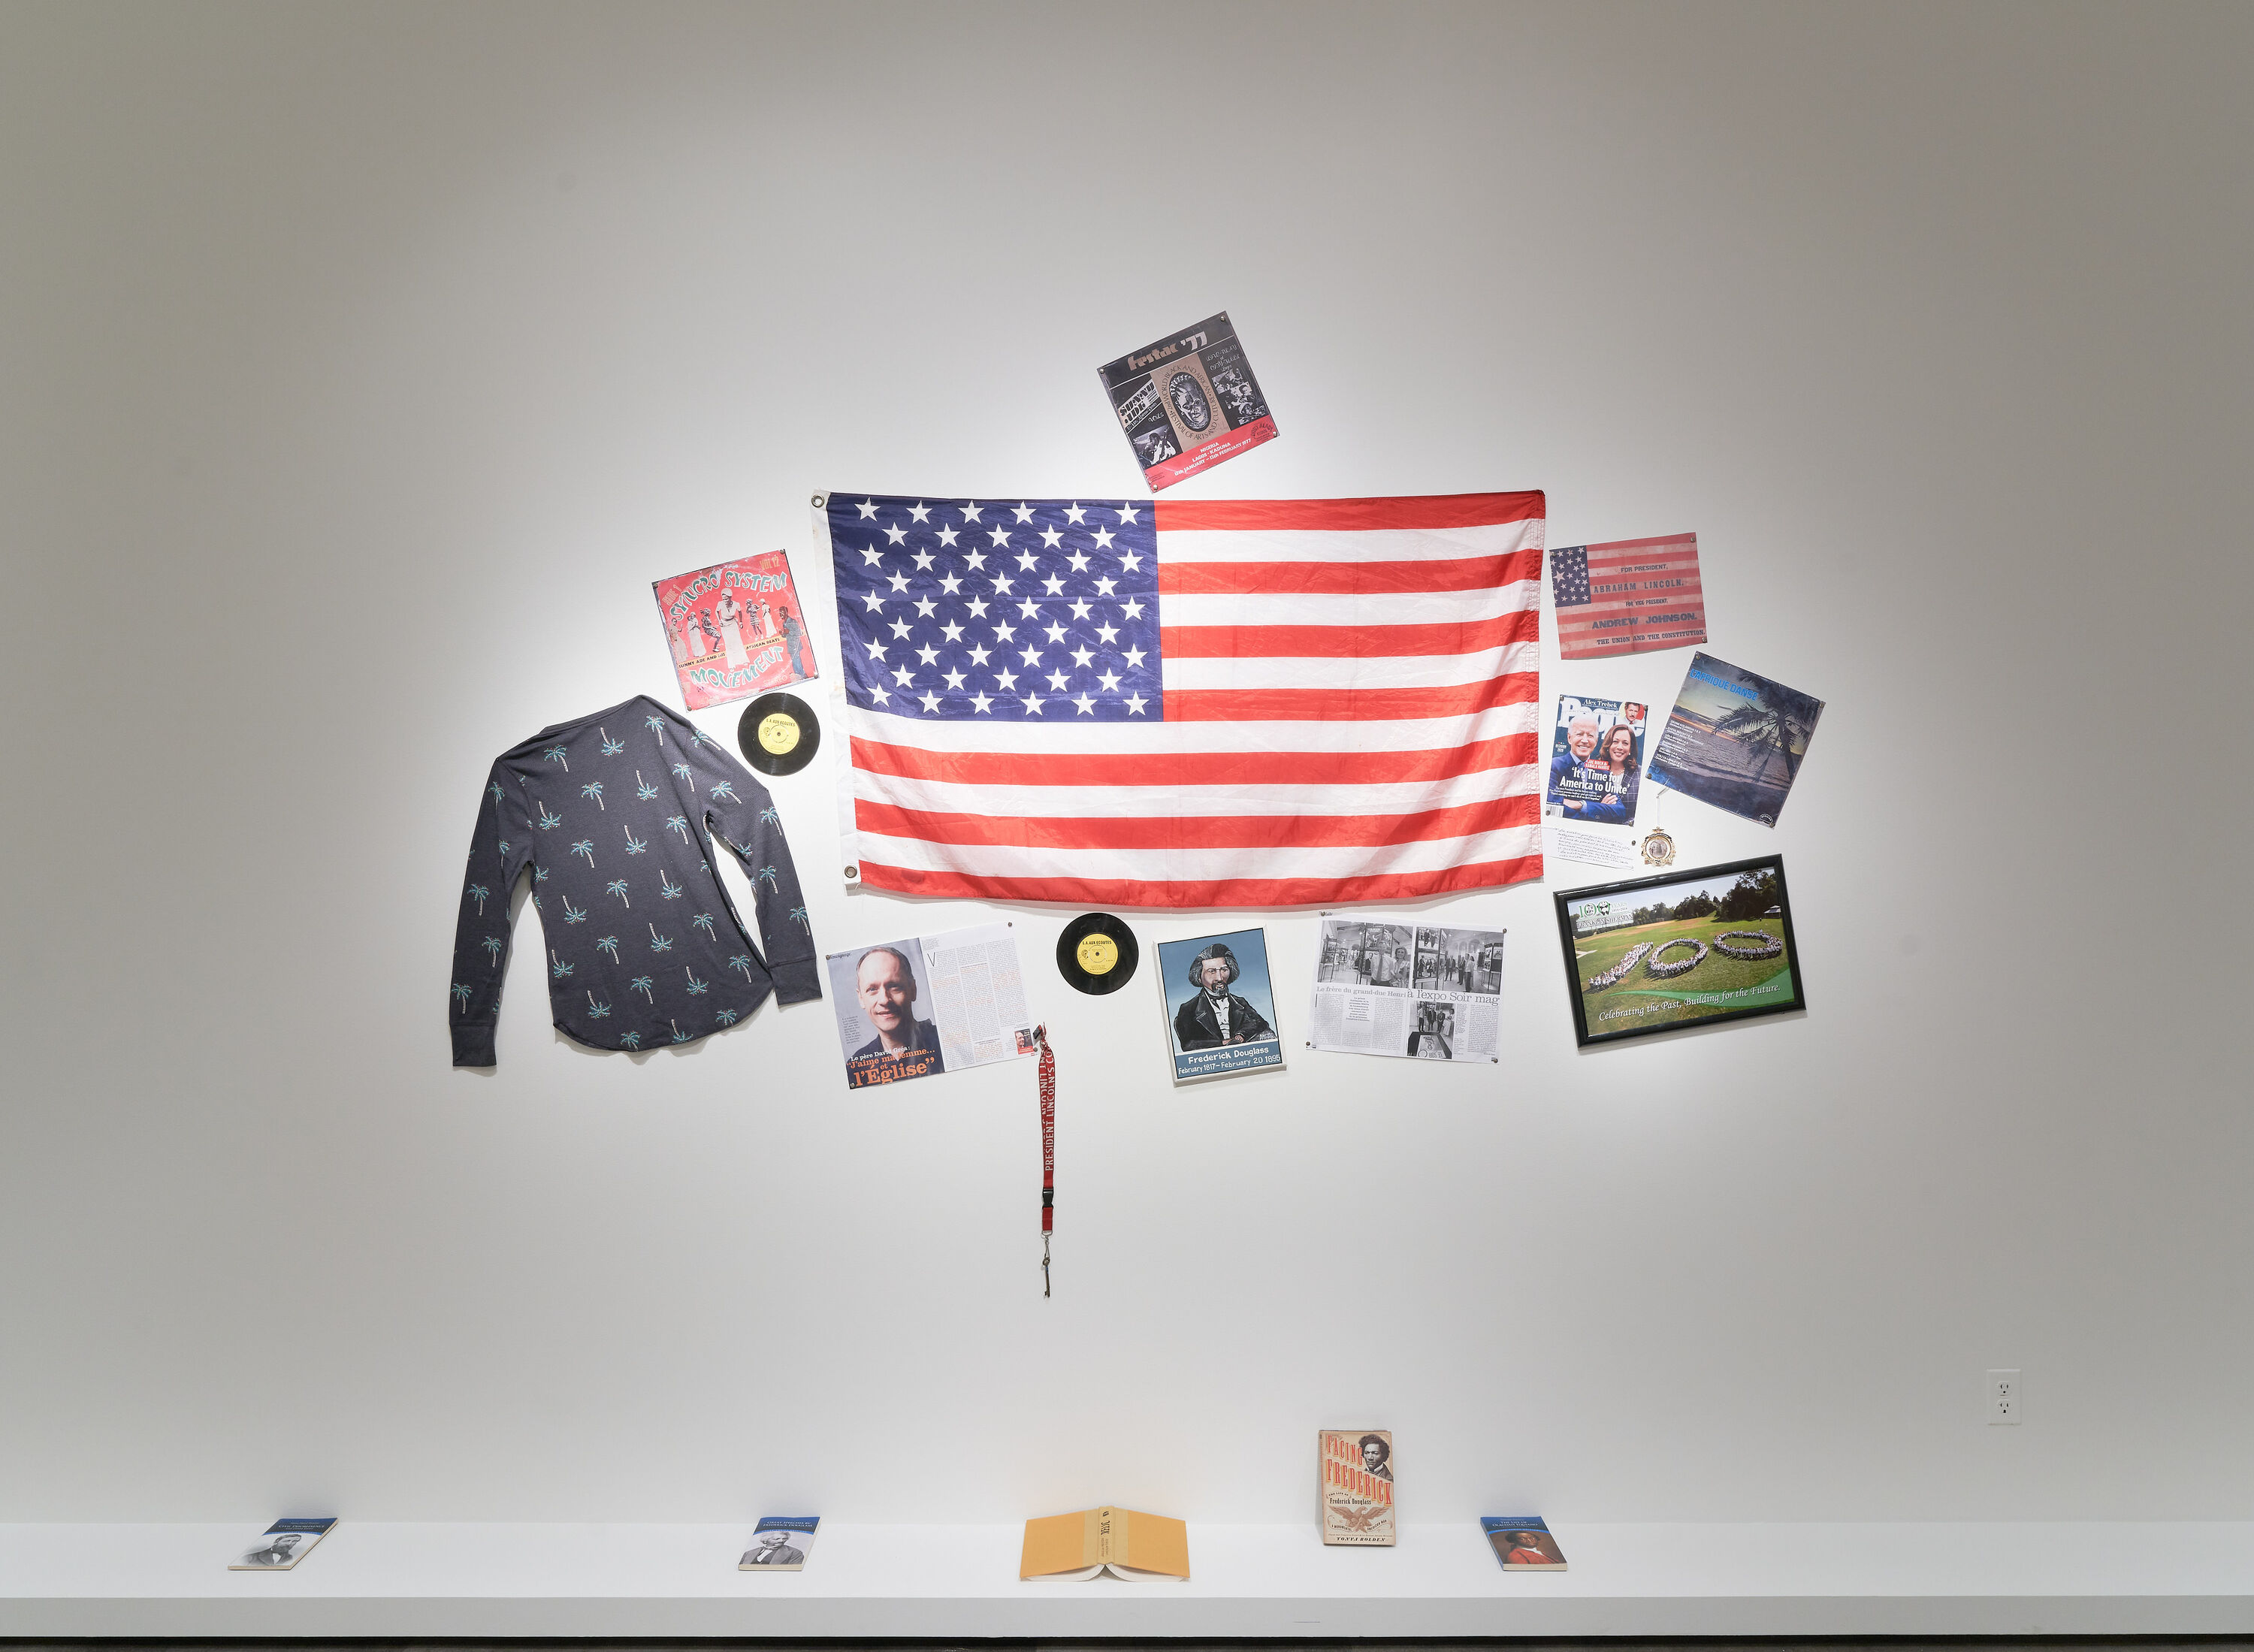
499,849
738,811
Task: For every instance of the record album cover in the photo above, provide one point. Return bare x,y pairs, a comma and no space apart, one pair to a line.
1734,740
735,629
1188,402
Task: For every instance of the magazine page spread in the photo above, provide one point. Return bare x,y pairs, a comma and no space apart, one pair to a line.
1419,991
909,1009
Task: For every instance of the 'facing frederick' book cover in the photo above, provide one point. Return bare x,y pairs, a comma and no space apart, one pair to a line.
1356,1487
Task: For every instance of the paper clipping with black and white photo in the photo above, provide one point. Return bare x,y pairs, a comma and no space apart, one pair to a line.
1417,991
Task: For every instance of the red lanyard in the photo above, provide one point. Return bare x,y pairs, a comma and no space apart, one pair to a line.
1049,1148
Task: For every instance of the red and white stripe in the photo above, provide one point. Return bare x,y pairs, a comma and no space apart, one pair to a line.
1351,714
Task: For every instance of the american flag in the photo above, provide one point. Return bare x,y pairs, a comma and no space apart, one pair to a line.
1628,597
1124,703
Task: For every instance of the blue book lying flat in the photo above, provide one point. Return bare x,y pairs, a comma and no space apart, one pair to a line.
1521,1542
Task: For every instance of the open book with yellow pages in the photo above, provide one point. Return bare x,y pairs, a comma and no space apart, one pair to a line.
1115,1541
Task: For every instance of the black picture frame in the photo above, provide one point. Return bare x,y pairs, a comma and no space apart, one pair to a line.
1739,976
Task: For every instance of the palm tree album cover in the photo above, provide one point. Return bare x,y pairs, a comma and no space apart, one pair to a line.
1734,740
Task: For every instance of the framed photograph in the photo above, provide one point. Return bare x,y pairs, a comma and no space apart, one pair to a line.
1219,1004
1682,948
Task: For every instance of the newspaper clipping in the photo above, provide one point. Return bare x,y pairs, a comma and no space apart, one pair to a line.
1408,990
909,1009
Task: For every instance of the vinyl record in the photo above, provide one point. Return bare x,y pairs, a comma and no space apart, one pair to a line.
778,734
1096,953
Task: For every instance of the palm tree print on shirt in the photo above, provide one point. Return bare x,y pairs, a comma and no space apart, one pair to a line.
742,960
555,754
596,1011
642,983
678,824
667,888
491,944
727,1018
704,920
768,818
658,943
698,737
635,845
573,914
494,788
697,989
772,879
687,775
679,1037
655,725
477,893
585,846
798,913
611,747
549,823
630,1040
610,944
462,994
562,968
643,789
594,789
727,789
617,886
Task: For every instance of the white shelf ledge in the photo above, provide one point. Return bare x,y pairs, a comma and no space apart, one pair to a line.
414,1581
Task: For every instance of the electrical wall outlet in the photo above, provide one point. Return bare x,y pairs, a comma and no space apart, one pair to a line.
2003,1399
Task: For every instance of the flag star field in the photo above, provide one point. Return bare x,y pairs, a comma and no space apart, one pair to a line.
967,609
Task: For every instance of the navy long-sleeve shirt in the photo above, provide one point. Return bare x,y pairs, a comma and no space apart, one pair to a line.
615,813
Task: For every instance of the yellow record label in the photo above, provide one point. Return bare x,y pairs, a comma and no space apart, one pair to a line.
1098,954
779,732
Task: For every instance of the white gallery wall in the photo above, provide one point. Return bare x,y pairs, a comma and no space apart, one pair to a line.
360,367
